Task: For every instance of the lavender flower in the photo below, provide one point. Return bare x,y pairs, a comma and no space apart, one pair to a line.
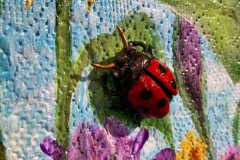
115,128
52,149
165,154
189,59
91,142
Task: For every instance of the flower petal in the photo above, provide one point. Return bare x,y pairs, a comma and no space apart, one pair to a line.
165,154
139,141
115,128
52,149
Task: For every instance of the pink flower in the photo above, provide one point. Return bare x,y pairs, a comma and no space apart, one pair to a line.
233,153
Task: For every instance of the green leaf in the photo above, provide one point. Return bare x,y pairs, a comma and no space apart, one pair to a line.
163,125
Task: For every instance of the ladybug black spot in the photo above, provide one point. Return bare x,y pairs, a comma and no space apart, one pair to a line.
142,110
146,94
173,84
162,69
161,103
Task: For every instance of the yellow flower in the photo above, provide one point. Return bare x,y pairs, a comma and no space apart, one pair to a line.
28,4
192,148
89,4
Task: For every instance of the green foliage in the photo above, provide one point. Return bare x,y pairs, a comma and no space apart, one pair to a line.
219,21
163,125
236,127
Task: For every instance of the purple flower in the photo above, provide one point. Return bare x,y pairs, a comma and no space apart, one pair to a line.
91,142
115,128
88,143
52,149
165,154
233,153
139,141
189,59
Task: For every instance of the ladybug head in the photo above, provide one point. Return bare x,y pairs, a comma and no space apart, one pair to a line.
121,63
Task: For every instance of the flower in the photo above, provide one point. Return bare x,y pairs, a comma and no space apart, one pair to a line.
91,142
233,153
165,154
52,149
192,148
189,59
28,4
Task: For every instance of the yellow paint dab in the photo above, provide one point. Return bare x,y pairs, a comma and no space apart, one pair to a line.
89,4
28,4
192,148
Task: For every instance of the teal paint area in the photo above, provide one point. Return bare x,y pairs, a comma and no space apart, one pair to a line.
5,70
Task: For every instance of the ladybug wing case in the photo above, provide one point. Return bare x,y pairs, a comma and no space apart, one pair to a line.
164,76
153,91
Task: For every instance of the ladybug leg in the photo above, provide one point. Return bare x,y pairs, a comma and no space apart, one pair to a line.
146,48
106,89
137,118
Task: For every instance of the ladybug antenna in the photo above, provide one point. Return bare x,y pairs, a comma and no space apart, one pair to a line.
108,66
124,40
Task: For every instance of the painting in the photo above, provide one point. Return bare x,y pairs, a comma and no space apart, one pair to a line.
120,79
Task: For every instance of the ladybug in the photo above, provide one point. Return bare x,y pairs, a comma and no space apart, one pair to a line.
148,84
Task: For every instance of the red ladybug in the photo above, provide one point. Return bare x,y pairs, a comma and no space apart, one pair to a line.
146,81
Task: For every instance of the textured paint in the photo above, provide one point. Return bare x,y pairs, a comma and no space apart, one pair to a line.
219,22
192,148
28,68
27,99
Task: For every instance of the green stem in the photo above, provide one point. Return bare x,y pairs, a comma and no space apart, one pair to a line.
63,56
